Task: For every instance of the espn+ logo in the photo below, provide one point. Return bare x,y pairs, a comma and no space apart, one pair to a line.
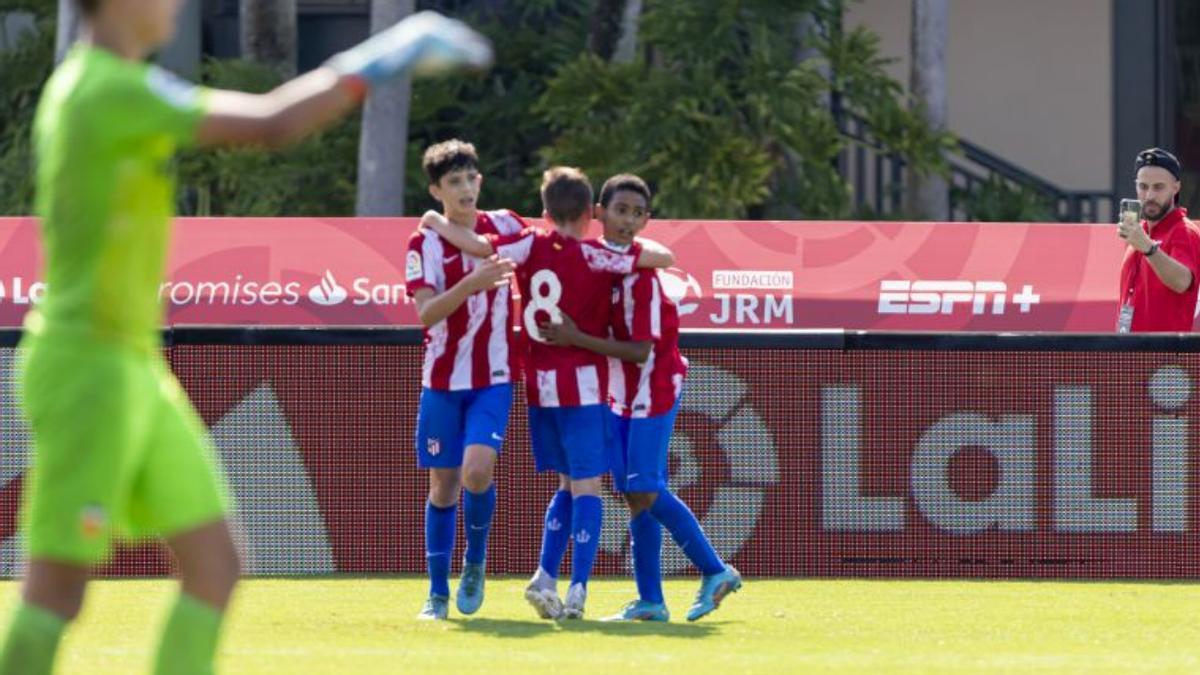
897,296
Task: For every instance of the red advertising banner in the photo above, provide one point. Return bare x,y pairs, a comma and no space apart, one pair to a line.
740,275
800,462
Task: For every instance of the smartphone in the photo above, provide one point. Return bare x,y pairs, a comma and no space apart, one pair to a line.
1131,211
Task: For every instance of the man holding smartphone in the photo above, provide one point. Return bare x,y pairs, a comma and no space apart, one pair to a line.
1159,273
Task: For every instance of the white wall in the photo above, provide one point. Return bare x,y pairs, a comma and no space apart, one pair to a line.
1029,80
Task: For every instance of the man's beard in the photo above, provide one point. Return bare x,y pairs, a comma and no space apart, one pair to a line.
1162,209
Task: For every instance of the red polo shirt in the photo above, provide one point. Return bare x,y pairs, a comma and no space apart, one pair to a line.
1157,308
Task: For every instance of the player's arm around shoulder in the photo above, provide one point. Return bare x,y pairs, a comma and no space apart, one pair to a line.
467,241
653,254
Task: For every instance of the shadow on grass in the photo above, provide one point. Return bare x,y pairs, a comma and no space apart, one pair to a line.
511,628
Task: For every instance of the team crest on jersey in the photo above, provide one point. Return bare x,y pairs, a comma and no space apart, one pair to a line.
413,269
433,446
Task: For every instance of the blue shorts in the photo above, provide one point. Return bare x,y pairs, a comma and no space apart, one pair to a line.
449,421
570,440
638,451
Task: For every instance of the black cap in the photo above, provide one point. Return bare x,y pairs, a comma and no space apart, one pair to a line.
1160,158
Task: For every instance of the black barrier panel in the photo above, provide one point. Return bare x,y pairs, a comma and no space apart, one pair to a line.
810,454
715,339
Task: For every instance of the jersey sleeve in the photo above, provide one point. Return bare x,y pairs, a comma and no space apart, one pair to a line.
1187,251
419,269
602,259
506,222
516,247
647,307
152,101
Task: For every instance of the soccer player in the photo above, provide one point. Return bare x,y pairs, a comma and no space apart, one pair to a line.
644,396
118,449
466,393
562,275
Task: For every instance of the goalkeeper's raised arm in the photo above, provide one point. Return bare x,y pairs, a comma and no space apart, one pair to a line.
423,44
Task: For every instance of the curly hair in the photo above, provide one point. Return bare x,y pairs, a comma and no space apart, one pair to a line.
447,156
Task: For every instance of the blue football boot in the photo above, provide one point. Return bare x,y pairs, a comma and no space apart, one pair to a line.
470,589
640,610
713,590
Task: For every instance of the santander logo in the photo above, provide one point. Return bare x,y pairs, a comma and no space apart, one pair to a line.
328,292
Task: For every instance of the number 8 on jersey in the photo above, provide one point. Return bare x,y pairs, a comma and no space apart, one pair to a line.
546,290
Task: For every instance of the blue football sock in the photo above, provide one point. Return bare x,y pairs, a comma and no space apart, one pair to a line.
440,524
556,533
587,517
645,534
477,514
685,530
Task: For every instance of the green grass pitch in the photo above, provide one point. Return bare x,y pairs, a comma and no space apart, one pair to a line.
365,625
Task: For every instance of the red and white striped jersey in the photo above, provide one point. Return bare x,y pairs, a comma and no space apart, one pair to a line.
557,274
473,347
642,311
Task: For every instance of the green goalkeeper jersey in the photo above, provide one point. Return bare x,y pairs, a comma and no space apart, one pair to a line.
105,136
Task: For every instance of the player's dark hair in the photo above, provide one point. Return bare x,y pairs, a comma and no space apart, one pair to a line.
88,7
566,194
623,181
447,156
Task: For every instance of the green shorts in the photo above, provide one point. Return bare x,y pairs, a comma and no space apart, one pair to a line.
119,451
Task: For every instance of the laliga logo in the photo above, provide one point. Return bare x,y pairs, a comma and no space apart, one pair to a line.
1012,440
750,453
677,284
328,292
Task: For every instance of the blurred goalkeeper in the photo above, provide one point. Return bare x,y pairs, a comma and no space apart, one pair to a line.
119,452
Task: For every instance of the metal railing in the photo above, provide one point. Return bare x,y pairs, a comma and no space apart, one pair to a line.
878,179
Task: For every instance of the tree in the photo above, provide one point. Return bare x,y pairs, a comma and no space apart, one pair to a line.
495,110
67,28
24,66
613,33
383,148
928,193
604,27
312,178
268,34
627,43
723,120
